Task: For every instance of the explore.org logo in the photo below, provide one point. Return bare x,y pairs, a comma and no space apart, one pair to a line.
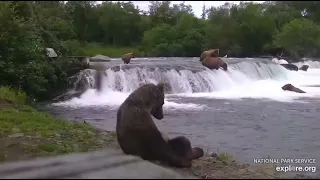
292,168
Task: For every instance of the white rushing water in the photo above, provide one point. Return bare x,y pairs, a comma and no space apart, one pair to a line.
243,80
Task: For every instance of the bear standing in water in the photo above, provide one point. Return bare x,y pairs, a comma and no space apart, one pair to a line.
127,57
209,53
214,63
138,135
211,60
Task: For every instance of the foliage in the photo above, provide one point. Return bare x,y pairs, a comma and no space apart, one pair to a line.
27,133
293,37
8,94
76,28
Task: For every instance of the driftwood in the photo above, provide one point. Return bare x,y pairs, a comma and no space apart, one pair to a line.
92,165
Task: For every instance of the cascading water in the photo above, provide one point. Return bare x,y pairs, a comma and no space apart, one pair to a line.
186,81
83,80
77,84
311,64
245,78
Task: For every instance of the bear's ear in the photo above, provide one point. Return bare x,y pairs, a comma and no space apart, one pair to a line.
161,86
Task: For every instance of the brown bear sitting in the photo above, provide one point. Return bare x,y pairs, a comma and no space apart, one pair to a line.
290,87
209,53
138,135
127,57
214,63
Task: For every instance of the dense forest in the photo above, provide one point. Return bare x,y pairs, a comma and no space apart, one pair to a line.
87,28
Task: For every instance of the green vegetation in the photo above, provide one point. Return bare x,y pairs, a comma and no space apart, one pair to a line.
27,133
94,49
224,156
8,94
75,28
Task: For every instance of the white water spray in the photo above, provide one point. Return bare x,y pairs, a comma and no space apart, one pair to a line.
246,79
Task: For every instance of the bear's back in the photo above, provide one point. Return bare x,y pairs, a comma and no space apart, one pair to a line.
131,117
134,113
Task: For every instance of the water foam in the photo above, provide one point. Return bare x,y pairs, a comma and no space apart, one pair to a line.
311,64
270,88
113,100
246,79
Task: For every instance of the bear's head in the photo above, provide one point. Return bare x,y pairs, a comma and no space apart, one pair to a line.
132,54
224,66
157,110
214,52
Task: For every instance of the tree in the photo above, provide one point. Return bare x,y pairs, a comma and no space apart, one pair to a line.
300,37
73,27
204,12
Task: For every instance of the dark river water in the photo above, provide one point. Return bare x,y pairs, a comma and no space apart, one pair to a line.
243,112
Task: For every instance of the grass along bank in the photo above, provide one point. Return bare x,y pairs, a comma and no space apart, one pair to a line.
93,49
26,133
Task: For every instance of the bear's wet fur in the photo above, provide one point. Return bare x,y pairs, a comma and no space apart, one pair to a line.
209,53
182,146
127,57
138,135
214,63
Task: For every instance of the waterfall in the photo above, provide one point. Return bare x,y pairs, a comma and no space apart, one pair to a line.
178,80
183,77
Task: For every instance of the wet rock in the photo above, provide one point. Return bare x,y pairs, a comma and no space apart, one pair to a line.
67,96
290,87
167,88
304,68
100,58
213,154
290,67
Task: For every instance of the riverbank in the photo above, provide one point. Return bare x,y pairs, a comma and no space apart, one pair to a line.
93,49
26,133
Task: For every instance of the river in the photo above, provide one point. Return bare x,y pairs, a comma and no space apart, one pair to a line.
242,111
